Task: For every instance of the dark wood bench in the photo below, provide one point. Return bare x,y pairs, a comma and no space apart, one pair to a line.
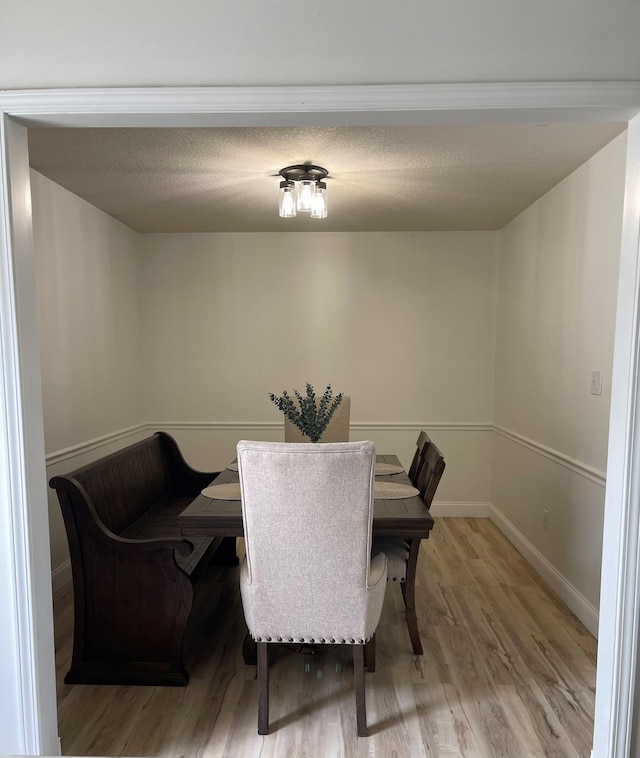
133,573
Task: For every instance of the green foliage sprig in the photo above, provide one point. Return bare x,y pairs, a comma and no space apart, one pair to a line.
309,416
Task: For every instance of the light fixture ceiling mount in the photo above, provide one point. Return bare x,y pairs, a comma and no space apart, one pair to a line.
303,189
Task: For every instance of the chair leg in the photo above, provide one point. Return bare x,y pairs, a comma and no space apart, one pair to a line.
370,655
263,688
249,650
409,595
361,705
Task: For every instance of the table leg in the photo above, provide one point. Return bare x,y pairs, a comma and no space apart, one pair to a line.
409,593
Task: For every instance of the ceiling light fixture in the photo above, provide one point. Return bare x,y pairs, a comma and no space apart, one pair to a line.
302,189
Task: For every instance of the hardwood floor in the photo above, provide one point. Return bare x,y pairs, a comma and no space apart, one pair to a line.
507,671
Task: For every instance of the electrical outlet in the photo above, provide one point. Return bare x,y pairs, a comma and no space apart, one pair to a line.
545,518
596,382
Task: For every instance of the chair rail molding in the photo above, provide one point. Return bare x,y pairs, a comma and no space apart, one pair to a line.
387,426
578,467
82,448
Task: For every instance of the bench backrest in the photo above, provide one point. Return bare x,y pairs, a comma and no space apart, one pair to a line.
126,484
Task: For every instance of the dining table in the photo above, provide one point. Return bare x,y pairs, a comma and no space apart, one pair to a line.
405,517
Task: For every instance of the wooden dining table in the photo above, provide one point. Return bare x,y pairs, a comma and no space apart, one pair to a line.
408,518
405,517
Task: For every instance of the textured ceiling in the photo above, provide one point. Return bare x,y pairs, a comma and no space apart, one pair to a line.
392,178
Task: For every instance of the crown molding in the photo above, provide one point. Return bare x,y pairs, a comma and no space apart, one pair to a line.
325,104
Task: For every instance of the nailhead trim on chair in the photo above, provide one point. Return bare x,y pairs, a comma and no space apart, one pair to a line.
314,640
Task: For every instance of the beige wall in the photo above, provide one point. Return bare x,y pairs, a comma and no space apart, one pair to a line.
89,317
89,329
404,323
75,43
557,284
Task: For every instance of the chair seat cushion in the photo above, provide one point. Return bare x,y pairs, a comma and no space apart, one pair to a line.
397,551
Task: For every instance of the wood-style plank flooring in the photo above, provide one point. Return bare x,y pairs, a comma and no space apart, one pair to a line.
507,671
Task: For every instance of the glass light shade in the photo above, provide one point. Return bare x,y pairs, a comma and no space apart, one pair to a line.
306,189
287,200
319,202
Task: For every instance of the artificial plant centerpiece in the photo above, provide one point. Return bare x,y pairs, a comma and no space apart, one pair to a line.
308,414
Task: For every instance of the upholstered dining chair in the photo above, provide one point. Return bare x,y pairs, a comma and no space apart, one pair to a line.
402,555
308,575
337,429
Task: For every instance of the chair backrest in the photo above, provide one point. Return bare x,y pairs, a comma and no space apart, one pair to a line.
418,457
431,473
337,429
307,512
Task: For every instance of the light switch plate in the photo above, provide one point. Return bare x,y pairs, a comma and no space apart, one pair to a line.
596,382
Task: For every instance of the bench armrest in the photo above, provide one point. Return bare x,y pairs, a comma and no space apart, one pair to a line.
186,480
80,516
182,546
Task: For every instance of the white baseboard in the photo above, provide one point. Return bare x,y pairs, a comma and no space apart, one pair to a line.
469,510
583,609
61,576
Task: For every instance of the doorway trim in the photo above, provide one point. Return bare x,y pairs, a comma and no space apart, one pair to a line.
25,588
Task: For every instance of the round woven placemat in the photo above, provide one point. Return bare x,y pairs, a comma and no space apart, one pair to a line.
230,491
390,491
233,467
385,469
